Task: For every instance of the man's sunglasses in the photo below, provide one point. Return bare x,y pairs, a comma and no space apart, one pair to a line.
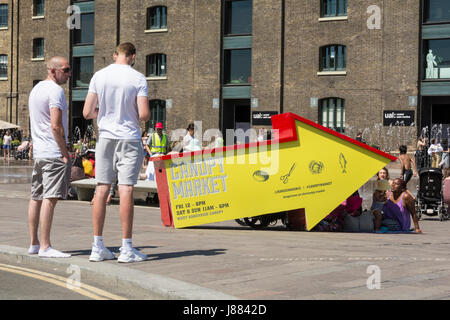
66,70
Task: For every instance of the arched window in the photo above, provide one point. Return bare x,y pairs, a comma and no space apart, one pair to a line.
3,66
333,8
157,18
156,65
332,113
158,114
333,57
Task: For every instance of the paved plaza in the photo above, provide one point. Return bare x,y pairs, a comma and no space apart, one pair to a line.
226,261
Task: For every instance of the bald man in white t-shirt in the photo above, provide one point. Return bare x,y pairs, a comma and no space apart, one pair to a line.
121,94
51,171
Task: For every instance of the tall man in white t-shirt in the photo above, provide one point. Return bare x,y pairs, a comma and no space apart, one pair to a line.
121,94
51,171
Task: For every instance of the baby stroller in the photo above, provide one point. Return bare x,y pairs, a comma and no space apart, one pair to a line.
429,199
22,152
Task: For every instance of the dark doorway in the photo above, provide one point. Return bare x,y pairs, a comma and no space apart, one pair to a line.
435,117
79,126
236,115
440,119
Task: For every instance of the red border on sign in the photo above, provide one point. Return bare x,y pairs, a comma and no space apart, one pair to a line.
287,132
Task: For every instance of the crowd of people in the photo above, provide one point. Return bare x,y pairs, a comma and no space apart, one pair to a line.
118,158
392,209
434,154
118,99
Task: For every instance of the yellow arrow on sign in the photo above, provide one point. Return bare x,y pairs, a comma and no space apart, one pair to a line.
305,166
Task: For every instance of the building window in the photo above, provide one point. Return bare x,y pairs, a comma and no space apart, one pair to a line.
3,66
157,18
158,114
38,8
436,11
83,69
3,16
79,126
333,8
38,48
35,82
156,65
332,113
436,58
84,35
333,58
238,67
238,17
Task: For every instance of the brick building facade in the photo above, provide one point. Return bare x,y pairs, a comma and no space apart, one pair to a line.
373,45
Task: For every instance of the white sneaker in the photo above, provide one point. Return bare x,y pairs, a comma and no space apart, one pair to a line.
34,249
131,255
52,253
100,254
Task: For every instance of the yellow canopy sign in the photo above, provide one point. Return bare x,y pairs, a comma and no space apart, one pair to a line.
305,166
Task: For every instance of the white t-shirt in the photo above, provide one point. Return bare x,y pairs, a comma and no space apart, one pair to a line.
191,143
7,140
117,87
45,95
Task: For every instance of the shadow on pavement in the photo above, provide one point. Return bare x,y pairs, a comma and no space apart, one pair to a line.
162,256
87,252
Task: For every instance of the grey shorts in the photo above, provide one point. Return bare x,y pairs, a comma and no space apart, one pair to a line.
118,159
50,179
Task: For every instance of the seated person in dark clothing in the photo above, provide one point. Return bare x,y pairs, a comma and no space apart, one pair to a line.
399,209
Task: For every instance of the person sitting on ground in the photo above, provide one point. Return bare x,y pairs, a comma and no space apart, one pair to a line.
359,220
335,221
379,198
399,209
407,164
383,174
